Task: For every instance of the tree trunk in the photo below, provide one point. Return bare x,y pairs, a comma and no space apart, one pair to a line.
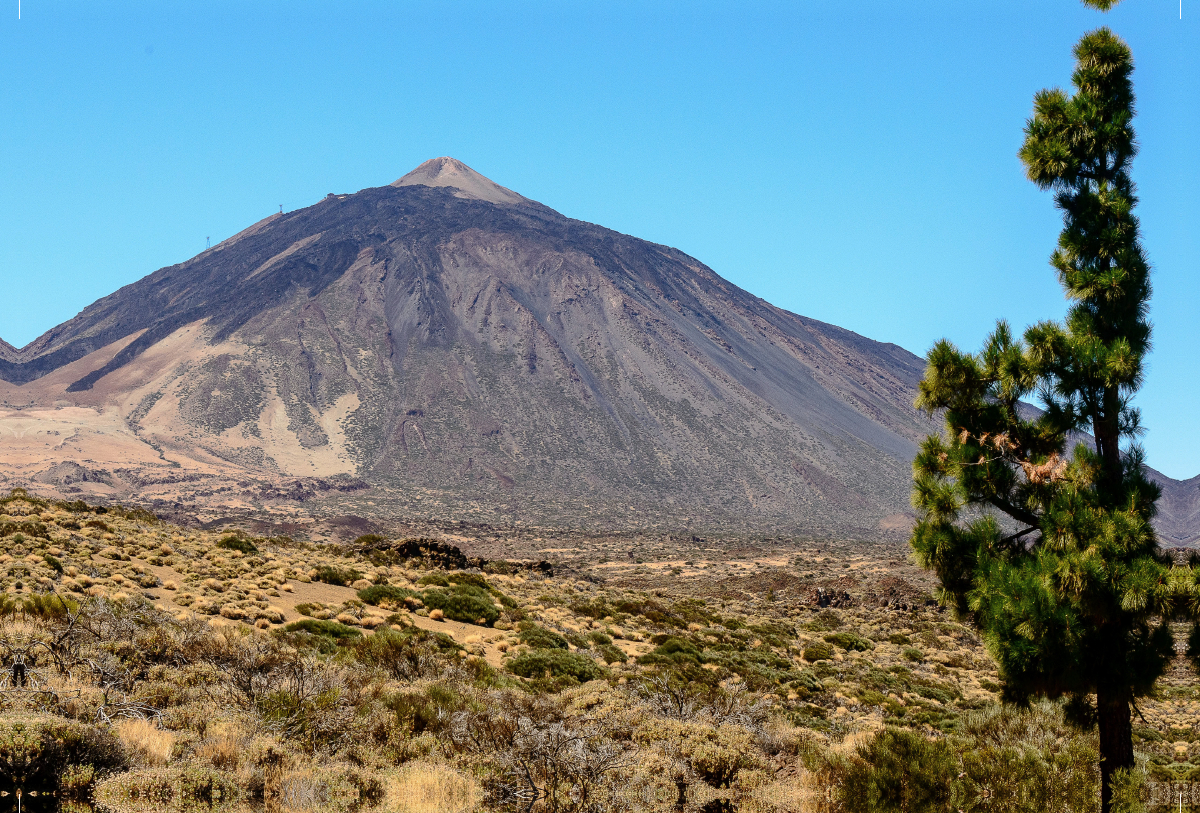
1116,740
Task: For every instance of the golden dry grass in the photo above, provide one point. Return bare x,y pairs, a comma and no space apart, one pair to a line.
149,744
797,794
423,787
223,751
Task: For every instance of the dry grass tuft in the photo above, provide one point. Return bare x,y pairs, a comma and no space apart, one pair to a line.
145,742
223,752
422,787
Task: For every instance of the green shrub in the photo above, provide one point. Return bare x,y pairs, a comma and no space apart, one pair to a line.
472,579
849,641
826,620
899,639
541,638
427,711
237,543
806,682
505,601
677,649
407,654
328,629
337,576
556,663
54,564
461,605
434,580
611,654
599,638
912,654
818,652
384,595
900,770
304,608
42,605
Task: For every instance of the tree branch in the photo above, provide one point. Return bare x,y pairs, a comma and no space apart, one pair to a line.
1019,514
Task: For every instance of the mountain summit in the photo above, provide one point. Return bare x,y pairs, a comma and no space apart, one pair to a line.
467,183
446,348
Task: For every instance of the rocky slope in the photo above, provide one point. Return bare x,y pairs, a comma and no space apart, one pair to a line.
444,347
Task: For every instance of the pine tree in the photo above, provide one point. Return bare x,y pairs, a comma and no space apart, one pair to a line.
1049,551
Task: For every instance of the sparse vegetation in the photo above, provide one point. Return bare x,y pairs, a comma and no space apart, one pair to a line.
343,694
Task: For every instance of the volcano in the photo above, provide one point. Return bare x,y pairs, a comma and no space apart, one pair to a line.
447,348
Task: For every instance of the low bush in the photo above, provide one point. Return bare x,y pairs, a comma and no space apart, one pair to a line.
408,654
430,710
237,543
384,595
328,629
542,638
817,652
611,654
806,682
1015,759
900,770
472,579
673,649
465,603
337,576
555,663
849,641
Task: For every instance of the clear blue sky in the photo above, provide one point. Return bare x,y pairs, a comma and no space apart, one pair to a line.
852,162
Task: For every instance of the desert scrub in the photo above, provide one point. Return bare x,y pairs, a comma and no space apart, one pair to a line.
463,602
328,629
818,652
672,649
555,663
715,754
611,654
240,544
849,641
600,638
408,654
337,576
385,595
1016,760
541,638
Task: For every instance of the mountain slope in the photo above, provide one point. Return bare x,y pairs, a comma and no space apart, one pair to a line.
469,353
